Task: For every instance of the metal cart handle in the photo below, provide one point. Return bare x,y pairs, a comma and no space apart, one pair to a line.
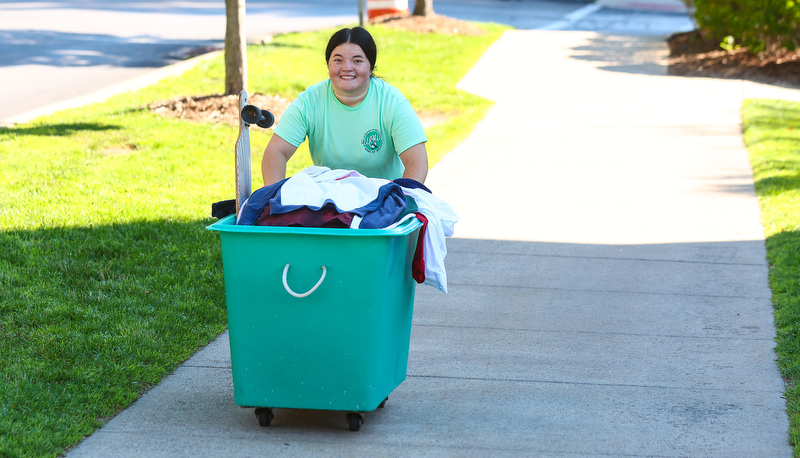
289,290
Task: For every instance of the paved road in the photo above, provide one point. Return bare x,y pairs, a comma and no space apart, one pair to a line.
68,53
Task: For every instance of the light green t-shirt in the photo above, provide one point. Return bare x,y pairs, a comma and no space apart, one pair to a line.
368,138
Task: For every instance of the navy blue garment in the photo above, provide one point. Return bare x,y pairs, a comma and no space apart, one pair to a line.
385,209
258,200
411,183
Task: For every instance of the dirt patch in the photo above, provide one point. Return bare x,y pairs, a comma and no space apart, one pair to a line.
429,24
216,109
119,150
693,55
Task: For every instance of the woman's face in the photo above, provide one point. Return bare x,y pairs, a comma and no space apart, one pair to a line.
349,69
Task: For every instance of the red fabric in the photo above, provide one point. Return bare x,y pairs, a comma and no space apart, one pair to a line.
418,263
326,216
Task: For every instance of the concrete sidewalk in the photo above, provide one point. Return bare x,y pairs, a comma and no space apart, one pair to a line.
608,284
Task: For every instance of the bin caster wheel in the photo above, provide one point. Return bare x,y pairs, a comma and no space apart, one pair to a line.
264,416
380,406
355,420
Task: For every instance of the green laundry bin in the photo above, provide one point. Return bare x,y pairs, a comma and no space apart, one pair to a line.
317,318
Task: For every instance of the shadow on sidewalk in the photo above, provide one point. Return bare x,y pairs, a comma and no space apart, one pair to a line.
639,55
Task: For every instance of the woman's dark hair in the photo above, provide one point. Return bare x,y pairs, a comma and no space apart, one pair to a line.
358,36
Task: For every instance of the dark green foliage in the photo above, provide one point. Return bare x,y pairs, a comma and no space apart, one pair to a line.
759,25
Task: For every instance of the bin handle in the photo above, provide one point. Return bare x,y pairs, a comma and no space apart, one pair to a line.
289,290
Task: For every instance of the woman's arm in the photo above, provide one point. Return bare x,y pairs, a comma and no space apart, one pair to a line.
276,155
415,160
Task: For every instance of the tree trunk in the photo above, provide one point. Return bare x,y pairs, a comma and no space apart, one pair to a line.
362,12
235,47
423,8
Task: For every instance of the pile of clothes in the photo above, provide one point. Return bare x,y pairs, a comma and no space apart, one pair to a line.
321,197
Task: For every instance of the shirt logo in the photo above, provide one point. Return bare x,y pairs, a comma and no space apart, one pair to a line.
372,141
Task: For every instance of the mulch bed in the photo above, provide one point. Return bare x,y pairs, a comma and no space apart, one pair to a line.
693,55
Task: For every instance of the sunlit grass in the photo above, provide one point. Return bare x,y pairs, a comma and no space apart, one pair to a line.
772,135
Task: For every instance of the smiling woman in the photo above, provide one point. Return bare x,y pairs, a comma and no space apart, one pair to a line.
352,120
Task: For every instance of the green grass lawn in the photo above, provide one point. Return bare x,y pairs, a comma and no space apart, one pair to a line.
108,278
772,135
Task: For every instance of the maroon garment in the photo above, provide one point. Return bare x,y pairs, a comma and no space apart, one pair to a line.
418,263
326,216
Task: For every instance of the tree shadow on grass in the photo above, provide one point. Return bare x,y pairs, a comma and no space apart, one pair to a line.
783,183
57,130
776,123
772,115
91,317
783,253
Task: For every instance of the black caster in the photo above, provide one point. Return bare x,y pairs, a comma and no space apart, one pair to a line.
380,406
264,415
355,420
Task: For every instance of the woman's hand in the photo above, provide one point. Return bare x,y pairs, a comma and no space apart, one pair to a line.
415,160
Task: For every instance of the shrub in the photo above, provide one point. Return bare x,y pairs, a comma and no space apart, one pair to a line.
759,25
